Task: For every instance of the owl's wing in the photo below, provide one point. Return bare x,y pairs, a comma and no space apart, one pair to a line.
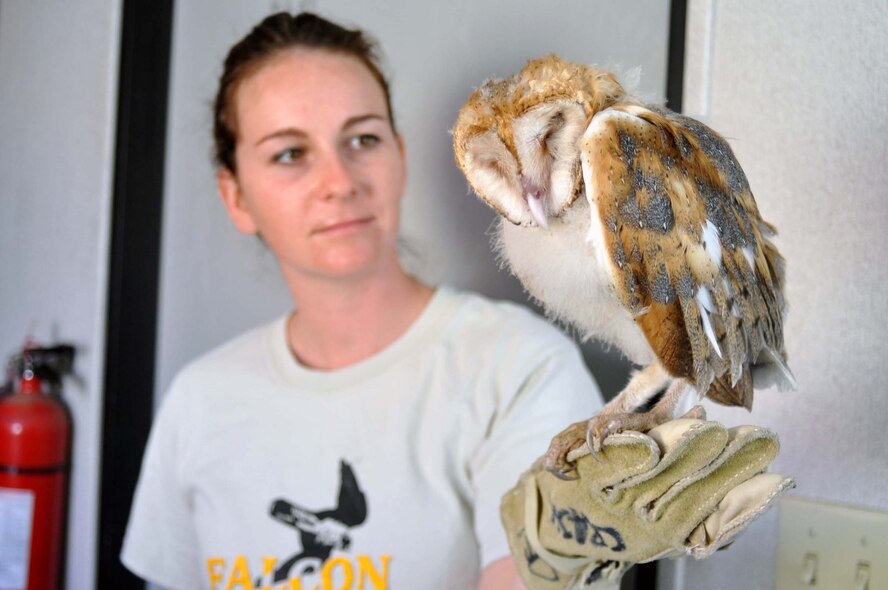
675,225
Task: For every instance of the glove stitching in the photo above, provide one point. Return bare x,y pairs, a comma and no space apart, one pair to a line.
718,492
656,505
726,484
731,450
666,461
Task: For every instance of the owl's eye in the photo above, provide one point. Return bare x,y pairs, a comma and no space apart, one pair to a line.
495,166
556,122
289,155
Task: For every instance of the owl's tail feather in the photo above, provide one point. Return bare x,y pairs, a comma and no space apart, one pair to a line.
770,369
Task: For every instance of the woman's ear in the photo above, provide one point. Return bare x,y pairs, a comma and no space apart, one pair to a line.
402,151
230,192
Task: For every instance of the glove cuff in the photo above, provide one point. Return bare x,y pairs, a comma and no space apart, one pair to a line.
561,563
587,572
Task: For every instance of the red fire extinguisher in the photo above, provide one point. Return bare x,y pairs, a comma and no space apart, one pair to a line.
35,434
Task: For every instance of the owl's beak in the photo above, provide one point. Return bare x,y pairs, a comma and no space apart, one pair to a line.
537,202
538,208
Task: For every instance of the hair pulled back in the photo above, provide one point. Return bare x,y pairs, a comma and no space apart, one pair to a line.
276,33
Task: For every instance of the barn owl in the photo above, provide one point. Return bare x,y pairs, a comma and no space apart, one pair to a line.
635,225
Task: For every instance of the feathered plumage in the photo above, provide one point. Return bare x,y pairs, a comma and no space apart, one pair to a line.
634,224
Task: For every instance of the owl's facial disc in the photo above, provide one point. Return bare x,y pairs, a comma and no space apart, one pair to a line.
546,140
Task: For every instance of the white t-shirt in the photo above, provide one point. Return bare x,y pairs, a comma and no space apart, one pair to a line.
261,473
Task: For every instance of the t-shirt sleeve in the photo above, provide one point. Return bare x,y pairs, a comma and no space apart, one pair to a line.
538,396
160,544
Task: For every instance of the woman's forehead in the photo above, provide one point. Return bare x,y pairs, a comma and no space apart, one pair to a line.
309,87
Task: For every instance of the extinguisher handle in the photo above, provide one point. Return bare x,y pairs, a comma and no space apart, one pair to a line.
49,363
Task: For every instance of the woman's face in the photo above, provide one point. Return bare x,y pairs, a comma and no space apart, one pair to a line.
320,172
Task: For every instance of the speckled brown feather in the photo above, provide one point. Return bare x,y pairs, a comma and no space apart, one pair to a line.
658,177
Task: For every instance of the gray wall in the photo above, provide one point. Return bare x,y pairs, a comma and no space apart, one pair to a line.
216,282
58,91
800,89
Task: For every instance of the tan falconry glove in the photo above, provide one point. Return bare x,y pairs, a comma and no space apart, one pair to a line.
687,487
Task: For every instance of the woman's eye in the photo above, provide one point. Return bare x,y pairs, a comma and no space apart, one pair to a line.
289,155
364,141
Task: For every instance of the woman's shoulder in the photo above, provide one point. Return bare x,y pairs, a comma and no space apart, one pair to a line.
245,354
478,316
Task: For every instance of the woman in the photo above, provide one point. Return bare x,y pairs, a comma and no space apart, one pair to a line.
365,439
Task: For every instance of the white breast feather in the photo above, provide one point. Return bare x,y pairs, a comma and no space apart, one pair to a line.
559,267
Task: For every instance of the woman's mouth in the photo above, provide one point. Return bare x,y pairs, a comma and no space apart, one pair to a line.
345,226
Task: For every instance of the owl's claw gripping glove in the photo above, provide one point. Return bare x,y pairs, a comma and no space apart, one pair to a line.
687,487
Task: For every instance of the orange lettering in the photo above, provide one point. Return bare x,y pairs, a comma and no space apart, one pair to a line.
347,570
366,570
296,584
268,564
240,575
216,568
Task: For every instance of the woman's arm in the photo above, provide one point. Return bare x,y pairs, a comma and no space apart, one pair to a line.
500,575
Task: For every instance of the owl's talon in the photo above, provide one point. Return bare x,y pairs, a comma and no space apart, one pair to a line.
555,460
595,446
564,475
602,426
559,466
598,429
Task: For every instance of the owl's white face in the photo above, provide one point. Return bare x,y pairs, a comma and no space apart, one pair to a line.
540,178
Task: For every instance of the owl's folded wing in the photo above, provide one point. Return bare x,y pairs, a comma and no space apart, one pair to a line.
676,226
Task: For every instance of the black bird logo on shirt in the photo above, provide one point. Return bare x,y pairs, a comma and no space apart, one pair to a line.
325,530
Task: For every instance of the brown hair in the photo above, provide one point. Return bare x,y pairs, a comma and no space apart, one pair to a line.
277,33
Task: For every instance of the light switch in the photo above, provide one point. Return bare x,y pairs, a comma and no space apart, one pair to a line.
809,569
831,547
861,580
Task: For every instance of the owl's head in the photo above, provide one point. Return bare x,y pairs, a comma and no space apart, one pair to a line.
517,140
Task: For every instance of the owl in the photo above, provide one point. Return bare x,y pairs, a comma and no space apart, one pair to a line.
634,225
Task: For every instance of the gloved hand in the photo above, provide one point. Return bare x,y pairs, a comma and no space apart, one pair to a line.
687,487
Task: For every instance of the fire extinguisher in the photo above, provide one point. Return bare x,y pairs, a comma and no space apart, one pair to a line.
35,436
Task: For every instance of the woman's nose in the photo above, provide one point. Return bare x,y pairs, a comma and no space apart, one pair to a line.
338,178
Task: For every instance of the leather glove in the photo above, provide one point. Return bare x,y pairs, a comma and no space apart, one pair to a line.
687,487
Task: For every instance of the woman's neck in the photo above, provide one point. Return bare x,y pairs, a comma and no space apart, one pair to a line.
340,323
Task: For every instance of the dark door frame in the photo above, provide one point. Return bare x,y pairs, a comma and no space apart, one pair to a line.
131,325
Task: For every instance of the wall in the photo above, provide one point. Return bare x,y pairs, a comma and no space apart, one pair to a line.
216,282
799,88
58,66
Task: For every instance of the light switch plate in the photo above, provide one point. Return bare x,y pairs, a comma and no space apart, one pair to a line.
832,540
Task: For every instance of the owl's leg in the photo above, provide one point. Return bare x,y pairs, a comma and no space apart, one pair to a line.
605,424
642,386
